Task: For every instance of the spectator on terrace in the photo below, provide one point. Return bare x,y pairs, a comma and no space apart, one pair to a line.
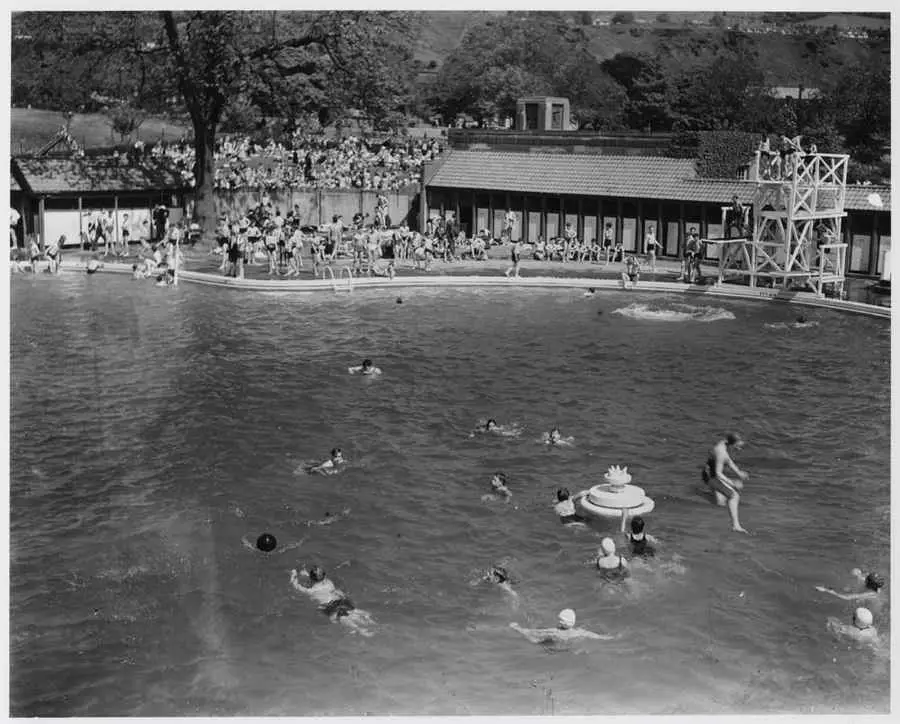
608,234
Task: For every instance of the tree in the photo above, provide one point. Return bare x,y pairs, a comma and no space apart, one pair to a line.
219,65
518,55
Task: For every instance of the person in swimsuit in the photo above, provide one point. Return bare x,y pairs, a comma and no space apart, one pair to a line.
498,489
514,255
93,265
726,489
631,273
565,508
365,368
565,631
872,585
862,629
330,466
333,602
642,544
613,567
53,254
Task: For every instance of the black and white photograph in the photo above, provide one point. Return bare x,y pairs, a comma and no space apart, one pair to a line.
453,361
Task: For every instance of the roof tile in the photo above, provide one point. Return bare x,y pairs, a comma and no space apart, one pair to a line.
94,175
648,177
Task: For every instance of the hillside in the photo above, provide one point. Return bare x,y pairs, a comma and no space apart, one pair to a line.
781,56
30,129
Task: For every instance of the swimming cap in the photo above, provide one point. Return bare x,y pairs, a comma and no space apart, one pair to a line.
874,581
562,494
637,525
266,542
732,438
367,363
566,618
862,618
608,546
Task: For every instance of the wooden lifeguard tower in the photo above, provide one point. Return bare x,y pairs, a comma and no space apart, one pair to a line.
795,236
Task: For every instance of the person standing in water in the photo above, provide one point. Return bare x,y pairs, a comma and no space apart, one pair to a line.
724,488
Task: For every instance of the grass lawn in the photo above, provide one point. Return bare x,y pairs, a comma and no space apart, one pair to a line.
30,129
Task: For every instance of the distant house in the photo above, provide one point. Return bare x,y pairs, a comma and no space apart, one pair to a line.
797,93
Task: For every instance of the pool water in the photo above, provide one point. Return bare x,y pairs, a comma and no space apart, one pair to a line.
153,429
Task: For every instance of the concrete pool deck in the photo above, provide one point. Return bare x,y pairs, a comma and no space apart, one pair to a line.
202,268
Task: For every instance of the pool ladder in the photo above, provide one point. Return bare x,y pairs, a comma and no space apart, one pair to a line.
336,280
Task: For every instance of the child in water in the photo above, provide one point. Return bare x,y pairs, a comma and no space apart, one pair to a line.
498,488
642,544
565,508
330,466
365,368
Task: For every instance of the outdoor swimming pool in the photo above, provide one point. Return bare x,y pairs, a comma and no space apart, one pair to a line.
152,429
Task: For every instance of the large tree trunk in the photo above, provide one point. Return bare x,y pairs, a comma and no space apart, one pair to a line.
204,176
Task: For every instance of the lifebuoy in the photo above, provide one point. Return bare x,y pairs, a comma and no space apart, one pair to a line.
608,496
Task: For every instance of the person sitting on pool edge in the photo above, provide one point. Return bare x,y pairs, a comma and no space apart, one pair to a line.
612,566
564,631
330,465
565,508
365,368
631,273
726,489
873,583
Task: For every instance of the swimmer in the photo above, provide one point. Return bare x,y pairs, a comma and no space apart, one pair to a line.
726,489
564,631
330,466
511,430
872,585
93,265
862,629
590,292
365,368
642,544
330,518
333,602
500,576
267,543
612,566
498,488
565,507
554,437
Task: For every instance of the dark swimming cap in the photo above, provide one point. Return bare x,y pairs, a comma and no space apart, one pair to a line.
317,574
399,301
801,319
732,438
874,581
562,494
266,543
637,525
367,363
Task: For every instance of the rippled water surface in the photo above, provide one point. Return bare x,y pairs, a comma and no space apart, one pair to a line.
153,429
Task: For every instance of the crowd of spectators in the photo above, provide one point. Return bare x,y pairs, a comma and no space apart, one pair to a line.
304,162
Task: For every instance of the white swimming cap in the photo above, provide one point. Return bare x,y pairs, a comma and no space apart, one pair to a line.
863,617
608,546
567,618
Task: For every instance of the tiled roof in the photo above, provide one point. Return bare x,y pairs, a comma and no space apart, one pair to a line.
94,175
645,177
857,198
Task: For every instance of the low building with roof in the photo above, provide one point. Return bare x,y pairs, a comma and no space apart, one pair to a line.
56,194
545,191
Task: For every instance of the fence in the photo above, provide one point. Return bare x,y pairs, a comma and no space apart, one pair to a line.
316,206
